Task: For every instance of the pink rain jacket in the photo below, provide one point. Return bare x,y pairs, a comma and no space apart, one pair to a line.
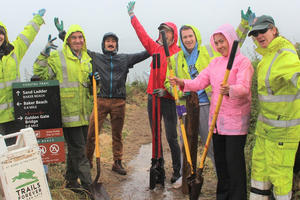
234,115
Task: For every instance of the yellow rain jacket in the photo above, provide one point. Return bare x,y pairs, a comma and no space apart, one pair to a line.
73,76
9,66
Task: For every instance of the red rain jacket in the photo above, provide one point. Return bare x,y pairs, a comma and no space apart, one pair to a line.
153,47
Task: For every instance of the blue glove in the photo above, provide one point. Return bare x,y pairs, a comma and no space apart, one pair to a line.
130,8
59,26
41,12
247,15
160,92
49,46
181,110
96,76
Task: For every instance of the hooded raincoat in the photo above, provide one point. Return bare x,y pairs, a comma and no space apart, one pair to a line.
73,76
234,114
153,47
205,54
10,64
278,122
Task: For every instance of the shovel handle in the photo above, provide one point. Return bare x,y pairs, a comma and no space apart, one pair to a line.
219,102
175,92
96,119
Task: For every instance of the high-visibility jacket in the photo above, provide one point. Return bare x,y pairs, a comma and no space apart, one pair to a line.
9,66
278,92
73,76
206,54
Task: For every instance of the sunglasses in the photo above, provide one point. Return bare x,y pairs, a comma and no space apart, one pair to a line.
262,31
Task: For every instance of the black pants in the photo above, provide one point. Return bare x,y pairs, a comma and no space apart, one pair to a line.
230,165
77,163
168,112
297,161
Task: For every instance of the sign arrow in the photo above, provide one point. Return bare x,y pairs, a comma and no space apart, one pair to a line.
20,118
18,92
19,104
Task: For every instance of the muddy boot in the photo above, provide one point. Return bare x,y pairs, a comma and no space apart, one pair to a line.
117,167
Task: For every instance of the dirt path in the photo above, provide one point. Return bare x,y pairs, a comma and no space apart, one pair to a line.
137,134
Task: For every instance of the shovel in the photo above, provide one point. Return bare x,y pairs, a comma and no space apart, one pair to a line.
157,172
181,110
97,190
196,180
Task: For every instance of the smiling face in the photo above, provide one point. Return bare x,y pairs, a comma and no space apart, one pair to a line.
221,44
110,44
188,39
2,38
264,39
76,41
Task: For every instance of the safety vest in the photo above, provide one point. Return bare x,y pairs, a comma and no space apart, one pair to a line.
9,66
278,92
76,102
73,76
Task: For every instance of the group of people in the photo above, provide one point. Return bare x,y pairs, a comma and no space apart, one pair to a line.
199,72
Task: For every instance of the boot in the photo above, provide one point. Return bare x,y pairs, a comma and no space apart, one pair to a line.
75,187
117,167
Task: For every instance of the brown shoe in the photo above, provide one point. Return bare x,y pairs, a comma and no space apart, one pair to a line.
117,167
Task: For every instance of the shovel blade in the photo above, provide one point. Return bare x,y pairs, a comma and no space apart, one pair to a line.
157,173
195,183
98,191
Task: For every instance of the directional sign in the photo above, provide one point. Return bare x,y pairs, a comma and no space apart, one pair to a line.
37,105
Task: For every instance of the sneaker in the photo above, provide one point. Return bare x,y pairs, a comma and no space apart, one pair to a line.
178,183
175,177
117,167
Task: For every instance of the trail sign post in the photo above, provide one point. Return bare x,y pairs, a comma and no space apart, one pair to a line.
37,105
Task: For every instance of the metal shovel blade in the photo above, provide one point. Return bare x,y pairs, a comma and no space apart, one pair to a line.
98,191
157,173
195,182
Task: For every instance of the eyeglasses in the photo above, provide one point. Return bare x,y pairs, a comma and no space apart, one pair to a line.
262,31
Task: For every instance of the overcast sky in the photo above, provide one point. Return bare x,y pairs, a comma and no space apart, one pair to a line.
99,17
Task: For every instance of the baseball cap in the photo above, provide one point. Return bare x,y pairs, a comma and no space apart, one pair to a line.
261,23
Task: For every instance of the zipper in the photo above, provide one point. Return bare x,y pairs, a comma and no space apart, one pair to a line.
111,76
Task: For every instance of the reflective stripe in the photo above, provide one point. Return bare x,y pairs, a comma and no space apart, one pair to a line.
176,66
279,123
9,83
279,98
25,40
260,185
65,82
254,196
6,105
295,78
87,117
209,50
242,29
267,82
35,26
284,197
71,119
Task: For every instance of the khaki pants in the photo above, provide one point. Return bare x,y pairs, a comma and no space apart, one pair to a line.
116,109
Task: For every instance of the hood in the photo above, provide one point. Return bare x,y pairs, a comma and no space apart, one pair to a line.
174,28
74,28
228,31
197,34
5,37
106,35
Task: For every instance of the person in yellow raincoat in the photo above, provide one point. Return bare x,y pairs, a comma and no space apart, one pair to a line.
278,124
